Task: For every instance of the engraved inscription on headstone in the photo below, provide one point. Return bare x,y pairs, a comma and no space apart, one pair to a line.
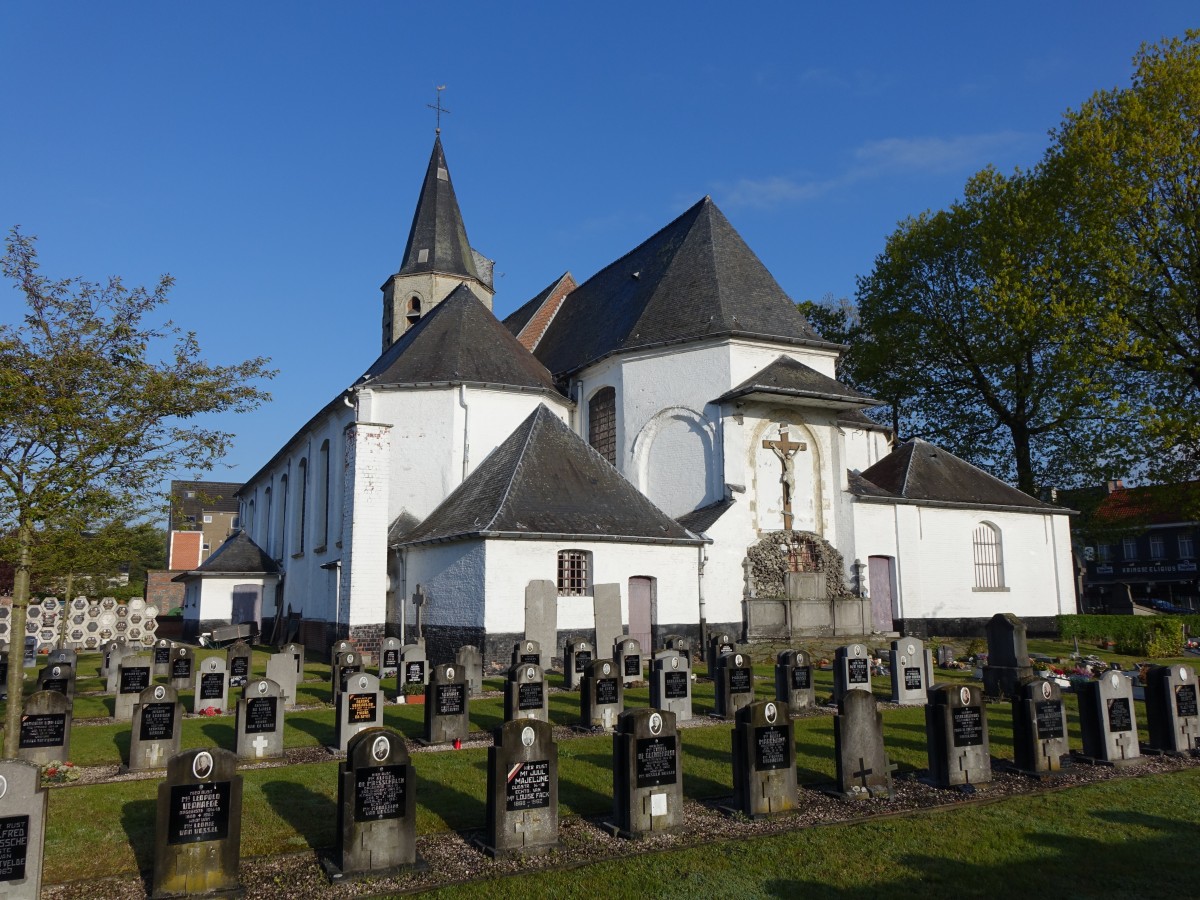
676,685
158,721
1049,719
134,680
14,845
1185,700
771,747
42,730
261,713
1120,715
656,761
967,723
362,708
857,671
801,678
606,690
912,678
528,786
449,699
530,696
379,793
212,685
198,812
376,806
414,672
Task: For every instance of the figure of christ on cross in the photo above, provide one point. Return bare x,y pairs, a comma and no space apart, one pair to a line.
785,448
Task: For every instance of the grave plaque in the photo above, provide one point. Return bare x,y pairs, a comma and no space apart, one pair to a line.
906,663
851,670
525,693
647,783
1039,728
734,683
281,669
389,658
133,677
237,663
863,768
45,734
1106,720
469,662
793,681
162,657
956,731
414,671
114,652
601,696
522,791
181,668
211,686
1171,714
764,760
376,807
628,655
23,804
359,706
259,721
157,722
671,685
447,705
528,652
577,656
198,836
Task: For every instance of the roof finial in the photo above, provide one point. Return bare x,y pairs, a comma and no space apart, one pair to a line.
440,109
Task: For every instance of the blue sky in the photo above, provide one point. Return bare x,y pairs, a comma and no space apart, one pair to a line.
268,155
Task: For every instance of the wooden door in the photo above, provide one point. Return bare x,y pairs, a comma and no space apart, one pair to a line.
641,602
880,574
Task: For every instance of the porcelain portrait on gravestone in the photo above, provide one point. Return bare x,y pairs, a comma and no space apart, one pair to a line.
381,748
656,724
202,765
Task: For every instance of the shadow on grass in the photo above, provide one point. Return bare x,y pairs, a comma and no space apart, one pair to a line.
121,740
138,818
458,810
322,732
309,813
220,734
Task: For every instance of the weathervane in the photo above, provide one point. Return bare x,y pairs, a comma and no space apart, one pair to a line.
440,109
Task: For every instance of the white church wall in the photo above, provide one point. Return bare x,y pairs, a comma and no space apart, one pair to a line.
724,577
747,357
452,577
862,448
367,478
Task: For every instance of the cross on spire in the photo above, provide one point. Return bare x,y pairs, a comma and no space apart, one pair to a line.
439,108
785,448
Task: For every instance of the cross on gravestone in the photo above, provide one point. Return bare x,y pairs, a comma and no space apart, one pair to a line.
153,752
259,744
419,599
863,771
785,448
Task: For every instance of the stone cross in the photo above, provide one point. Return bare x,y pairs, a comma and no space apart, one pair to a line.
785,448
419,600
153,752
260,745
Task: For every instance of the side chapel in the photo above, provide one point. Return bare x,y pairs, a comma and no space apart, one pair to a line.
661,449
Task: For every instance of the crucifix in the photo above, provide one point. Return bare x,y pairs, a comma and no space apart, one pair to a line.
785,448
439,108
419,600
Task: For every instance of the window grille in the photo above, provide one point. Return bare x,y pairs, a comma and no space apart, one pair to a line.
989,560
602,423
572,573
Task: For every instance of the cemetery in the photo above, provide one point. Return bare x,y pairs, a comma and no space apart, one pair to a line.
331,780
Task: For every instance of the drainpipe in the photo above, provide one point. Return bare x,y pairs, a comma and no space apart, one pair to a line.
702,559
466,451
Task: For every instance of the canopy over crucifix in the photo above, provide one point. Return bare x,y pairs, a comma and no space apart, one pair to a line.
785,448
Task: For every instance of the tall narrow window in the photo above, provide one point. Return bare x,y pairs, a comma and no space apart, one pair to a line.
602,423
282,519
989,557
573,573
322,538
264,536
301,505
1158,547
1129,548
1186,547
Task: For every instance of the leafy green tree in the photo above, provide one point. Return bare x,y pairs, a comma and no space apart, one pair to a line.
985,336
1133,159
99,399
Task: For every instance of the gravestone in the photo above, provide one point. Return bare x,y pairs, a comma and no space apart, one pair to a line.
389,658
679,644
577,656
863,769
211,688
447,705
133,677
671,685
606,601
342,646
469,662
57,677
281,669
45,728
527,652
157,726
296,650
601,696
359,706
764,760
63,656
906,661
23,803
377,805
161,652
525,693
522,790
945,656
734,684
647,773
718,646
237,662
345,664
258,723
114,652
1171,712
851,670
794,681
415,667
1040,739
628,654
1008,656
182,666
197,845
1108,720
541,616
957,735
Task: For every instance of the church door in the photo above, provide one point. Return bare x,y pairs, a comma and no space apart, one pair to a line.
880,573
641,599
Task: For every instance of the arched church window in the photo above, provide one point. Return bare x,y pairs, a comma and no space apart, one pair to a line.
278,543
414,310
301,505
989,557
322,537
573,569
602,423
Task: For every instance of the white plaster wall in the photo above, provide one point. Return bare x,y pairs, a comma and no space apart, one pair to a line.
724,578
452,577
748,357
216,595
364,572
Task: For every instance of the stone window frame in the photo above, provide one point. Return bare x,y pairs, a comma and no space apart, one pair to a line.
987,544
574,570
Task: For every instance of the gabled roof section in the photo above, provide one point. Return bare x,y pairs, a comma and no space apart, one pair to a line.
239,555
702,519
530,322
437,241
459,341
790,378
543,481
694,279
919,472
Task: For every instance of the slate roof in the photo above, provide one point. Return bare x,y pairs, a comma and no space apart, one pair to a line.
919,472
856,418
238,555
543,481
458,341
694,279
515,321
702,519
437,226
787,377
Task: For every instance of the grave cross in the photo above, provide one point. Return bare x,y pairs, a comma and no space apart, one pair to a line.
419,600
785,448
153,752
260,745
863,771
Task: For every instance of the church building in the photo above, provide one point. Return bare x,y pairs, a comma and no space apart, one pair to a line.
662,448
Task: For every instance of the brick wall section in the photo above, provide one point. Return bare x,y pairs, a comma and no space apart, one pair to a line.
537,325
162,592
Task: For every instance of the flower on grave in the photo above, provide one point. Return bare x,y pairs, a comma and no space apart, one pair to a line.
209,711
55,772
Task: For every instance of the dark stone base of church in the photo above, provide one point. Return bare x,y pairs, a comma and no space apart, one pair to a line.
1036,626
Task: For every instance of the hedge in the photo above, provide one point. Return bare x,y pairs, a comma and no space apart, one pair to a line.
1149,636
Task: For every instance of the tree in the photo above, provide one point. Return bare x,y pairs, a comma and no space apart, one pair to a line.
984,334
98,404
1133,158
